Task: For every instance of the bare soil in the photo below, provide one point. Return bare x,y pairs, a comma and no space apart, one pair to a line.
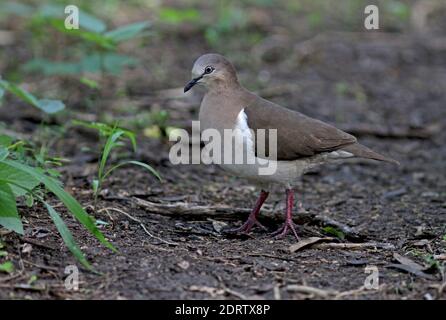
387,88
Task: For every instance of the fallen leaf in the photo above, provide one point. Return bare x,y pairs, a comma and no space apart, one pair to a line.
408,262
411,270
307,242
410,266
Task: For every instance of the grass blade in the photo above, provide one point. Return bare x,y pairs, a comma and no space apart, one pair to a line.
127,32
9,217
109,145
71,203
67,236
141,164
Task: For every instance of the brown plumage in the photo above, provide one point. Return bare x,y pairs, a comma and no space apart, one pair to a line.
299,136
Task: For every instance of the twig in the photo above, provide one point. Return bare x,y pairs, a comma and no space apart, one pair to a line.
38,243
239,295
23,287
12,277
183,208
329,293
191,209
40,266
141,224
365,245
361,290
311,290
276,293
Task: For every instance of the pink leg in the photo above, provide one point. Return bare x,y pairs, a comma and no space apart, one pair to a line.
289,224
252,219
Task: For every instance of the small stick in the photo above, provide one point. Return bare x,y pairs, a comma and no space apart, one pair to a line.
365,245
311,290
38,243
141,224
239,295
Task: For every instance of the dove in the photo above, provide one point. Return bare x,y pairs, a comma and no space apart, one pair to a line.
300,142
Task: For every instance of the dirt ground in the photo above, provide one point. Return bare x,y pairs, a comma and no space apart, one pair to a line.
389,89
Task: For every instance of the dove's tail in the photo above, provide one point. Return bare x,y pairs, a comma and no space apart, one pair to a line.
363,152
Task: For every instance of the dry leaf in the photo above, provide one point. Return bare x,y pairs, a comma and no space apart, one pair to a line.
307,242
410,266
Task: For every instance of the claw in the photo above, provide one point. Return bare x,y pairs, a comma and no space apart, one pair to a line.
289,224
247,226
285,229
252,219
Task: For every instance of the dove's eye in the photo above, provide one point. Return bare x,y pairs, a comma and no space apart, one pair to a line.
208,69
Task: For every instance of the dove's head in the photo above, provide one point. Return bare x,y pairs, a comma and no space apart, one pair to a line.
213,71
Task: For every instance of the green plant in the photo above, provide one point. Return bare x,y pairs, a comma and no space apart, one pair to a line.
230,17
334,232
178,16
7,267
19,179
114,138
92,44
46,105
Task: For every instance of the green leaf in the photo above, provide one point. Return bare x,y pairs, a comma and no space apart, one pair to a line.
109,145
99,39
49,68
334,232
107,130
91,63
4,153
75,208
32,279
95,185
114,63
86,20
104,129
19,9
92,37
91,23
177,16
16,178
137,163
92,84
19,92
51,10
5,140
7,267
9,217
2,92
399,9
51,106
3,253
67,236
127,32
29,200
